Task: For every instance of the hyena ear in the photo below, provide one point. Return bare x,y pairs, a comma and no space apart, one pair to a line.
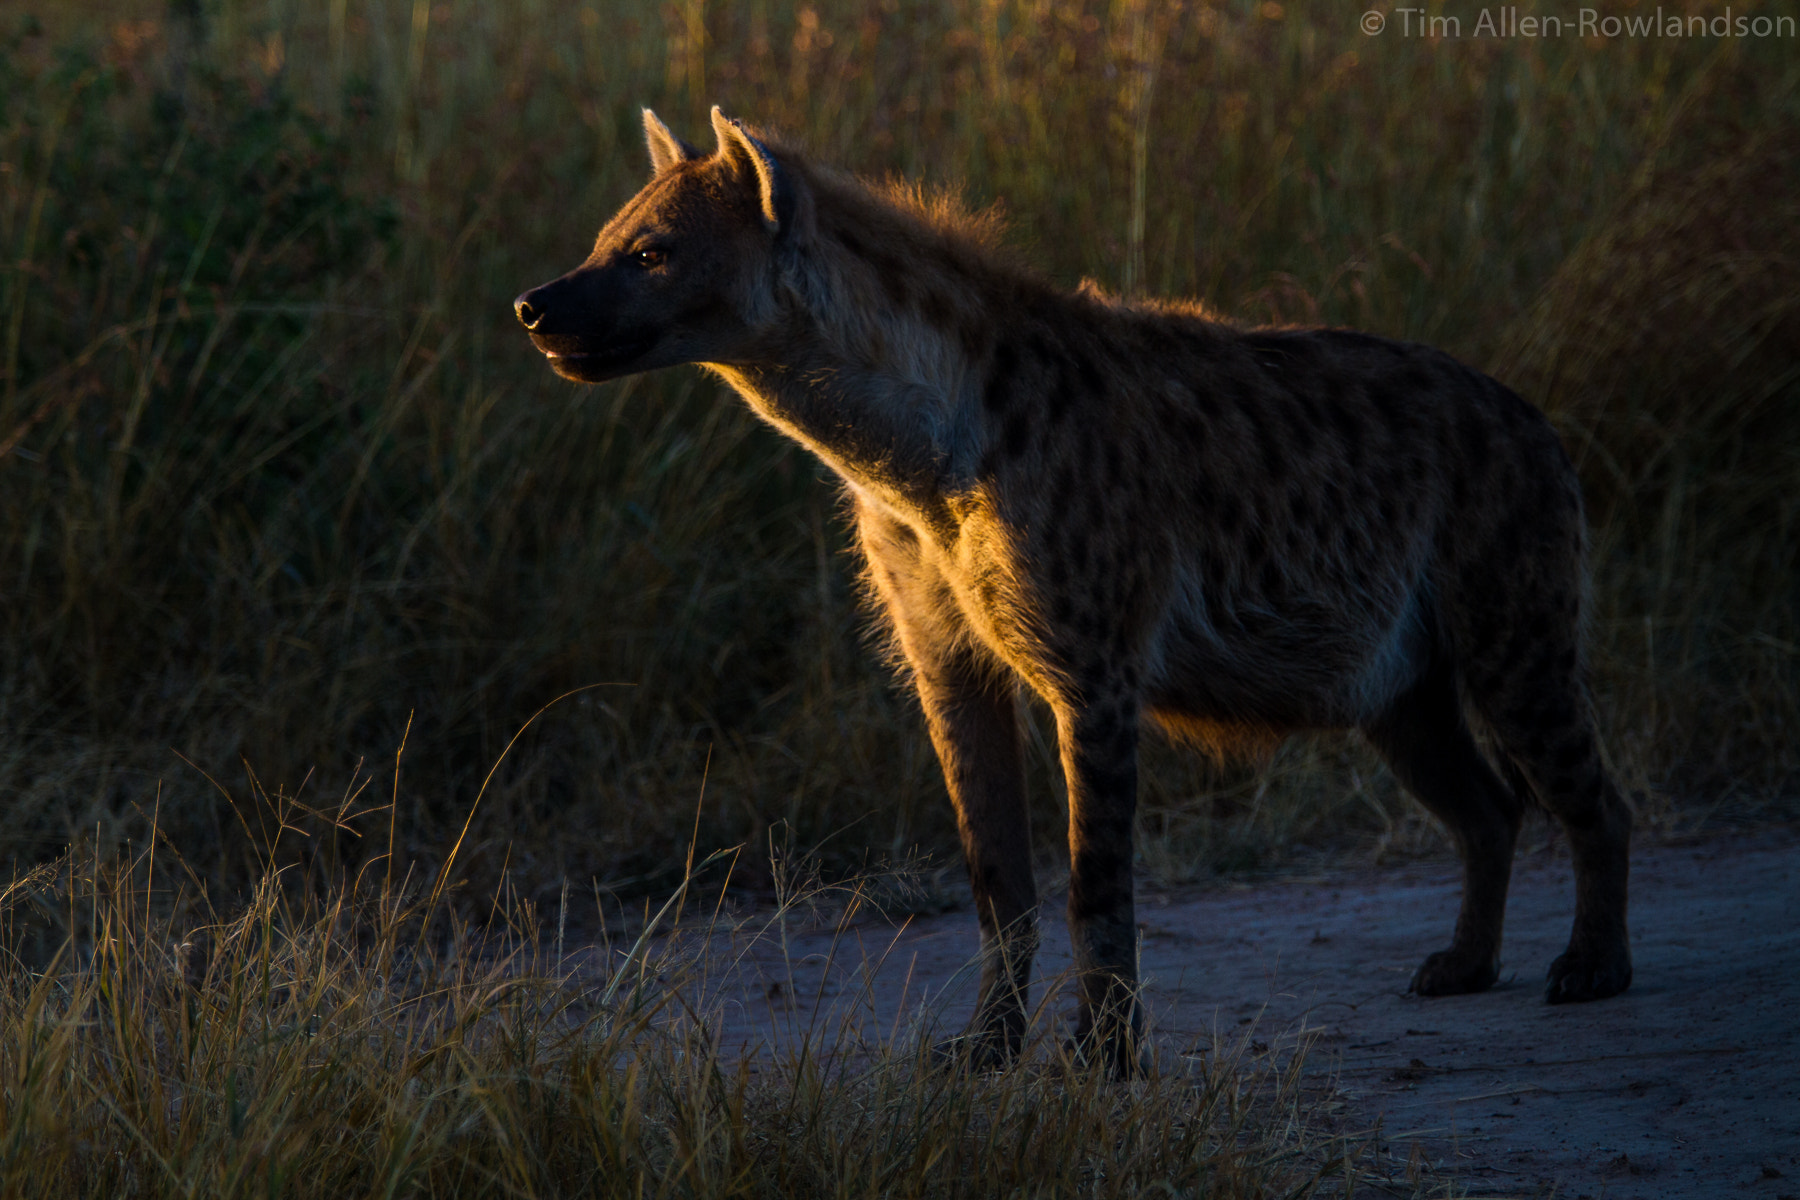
665,148
752,161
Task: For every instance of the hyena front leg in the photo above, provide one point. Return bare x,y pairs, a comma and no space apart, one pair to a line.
971,709
1099,743
973,717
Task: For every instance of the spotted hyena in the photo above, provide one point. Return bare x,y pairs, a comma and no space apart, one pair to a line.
1143,514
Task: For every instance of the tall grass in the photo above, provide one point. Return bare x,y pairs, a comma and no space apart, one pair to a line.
284,489
319,1047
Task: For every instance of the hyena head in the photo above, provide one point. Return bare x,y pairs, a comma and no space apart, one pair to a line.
686,272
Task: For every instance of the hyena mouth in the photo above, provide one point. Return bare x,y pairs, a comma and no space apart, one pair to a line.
585,364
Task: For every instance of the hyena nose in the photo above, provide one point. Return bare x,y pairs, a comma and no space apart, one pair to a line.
529,314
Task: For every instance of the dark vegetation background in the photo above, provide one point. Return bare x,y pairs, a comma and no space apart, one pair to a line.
283,487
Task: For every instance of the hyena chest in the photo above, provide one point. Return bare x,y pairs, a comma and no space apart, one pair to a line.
990,586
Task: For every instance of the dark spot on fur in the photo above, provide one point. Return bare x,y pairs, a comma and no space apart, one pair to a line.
1484,625
1268,446
1204,403
1508,540
1346,425
1017,436
884,262
1303,398
1473,444
848,238
1300,508
1190,431
1166,343
938,309
1060,495
1569,756
1304,438
1388,408
1231,514
898,288
997,395
1256,547
974,338
1091,379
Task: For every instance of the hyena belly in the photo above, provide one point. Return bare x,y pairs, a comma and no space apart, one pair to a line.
1245,669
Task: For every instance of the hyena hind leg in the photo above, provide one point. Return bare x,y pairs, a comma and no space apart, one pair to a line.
1550,736
1427,744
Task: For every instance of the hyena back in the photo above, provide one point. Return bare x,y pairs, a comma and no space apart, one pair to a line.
1138,512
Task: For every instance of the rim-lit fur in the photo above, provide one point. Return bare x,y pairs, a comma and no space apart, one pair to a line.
1137,511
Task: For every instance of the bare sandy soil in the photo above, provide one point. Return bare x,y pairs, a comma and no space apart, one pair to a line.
1688,1085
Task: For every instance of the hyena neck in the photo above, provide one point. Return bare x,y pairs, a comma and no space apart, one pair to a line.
882,435
892,313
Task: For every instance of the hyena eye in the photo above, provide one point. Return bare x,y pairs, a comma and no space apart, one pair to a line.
649,257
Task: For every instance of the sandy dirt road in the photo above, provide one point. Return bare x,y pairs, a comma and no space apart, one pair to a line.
1686,1086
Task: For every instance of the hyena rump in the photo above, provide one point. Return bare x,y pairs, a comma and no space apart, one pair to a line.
1138,512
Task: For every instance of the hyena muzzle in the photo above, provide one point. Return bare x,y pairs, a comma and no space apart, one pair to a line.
1140,513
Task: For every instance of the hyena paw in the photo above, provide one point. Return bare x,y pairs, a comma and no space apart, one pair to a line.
1455,972
1121,1053
1584,974
975,1052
